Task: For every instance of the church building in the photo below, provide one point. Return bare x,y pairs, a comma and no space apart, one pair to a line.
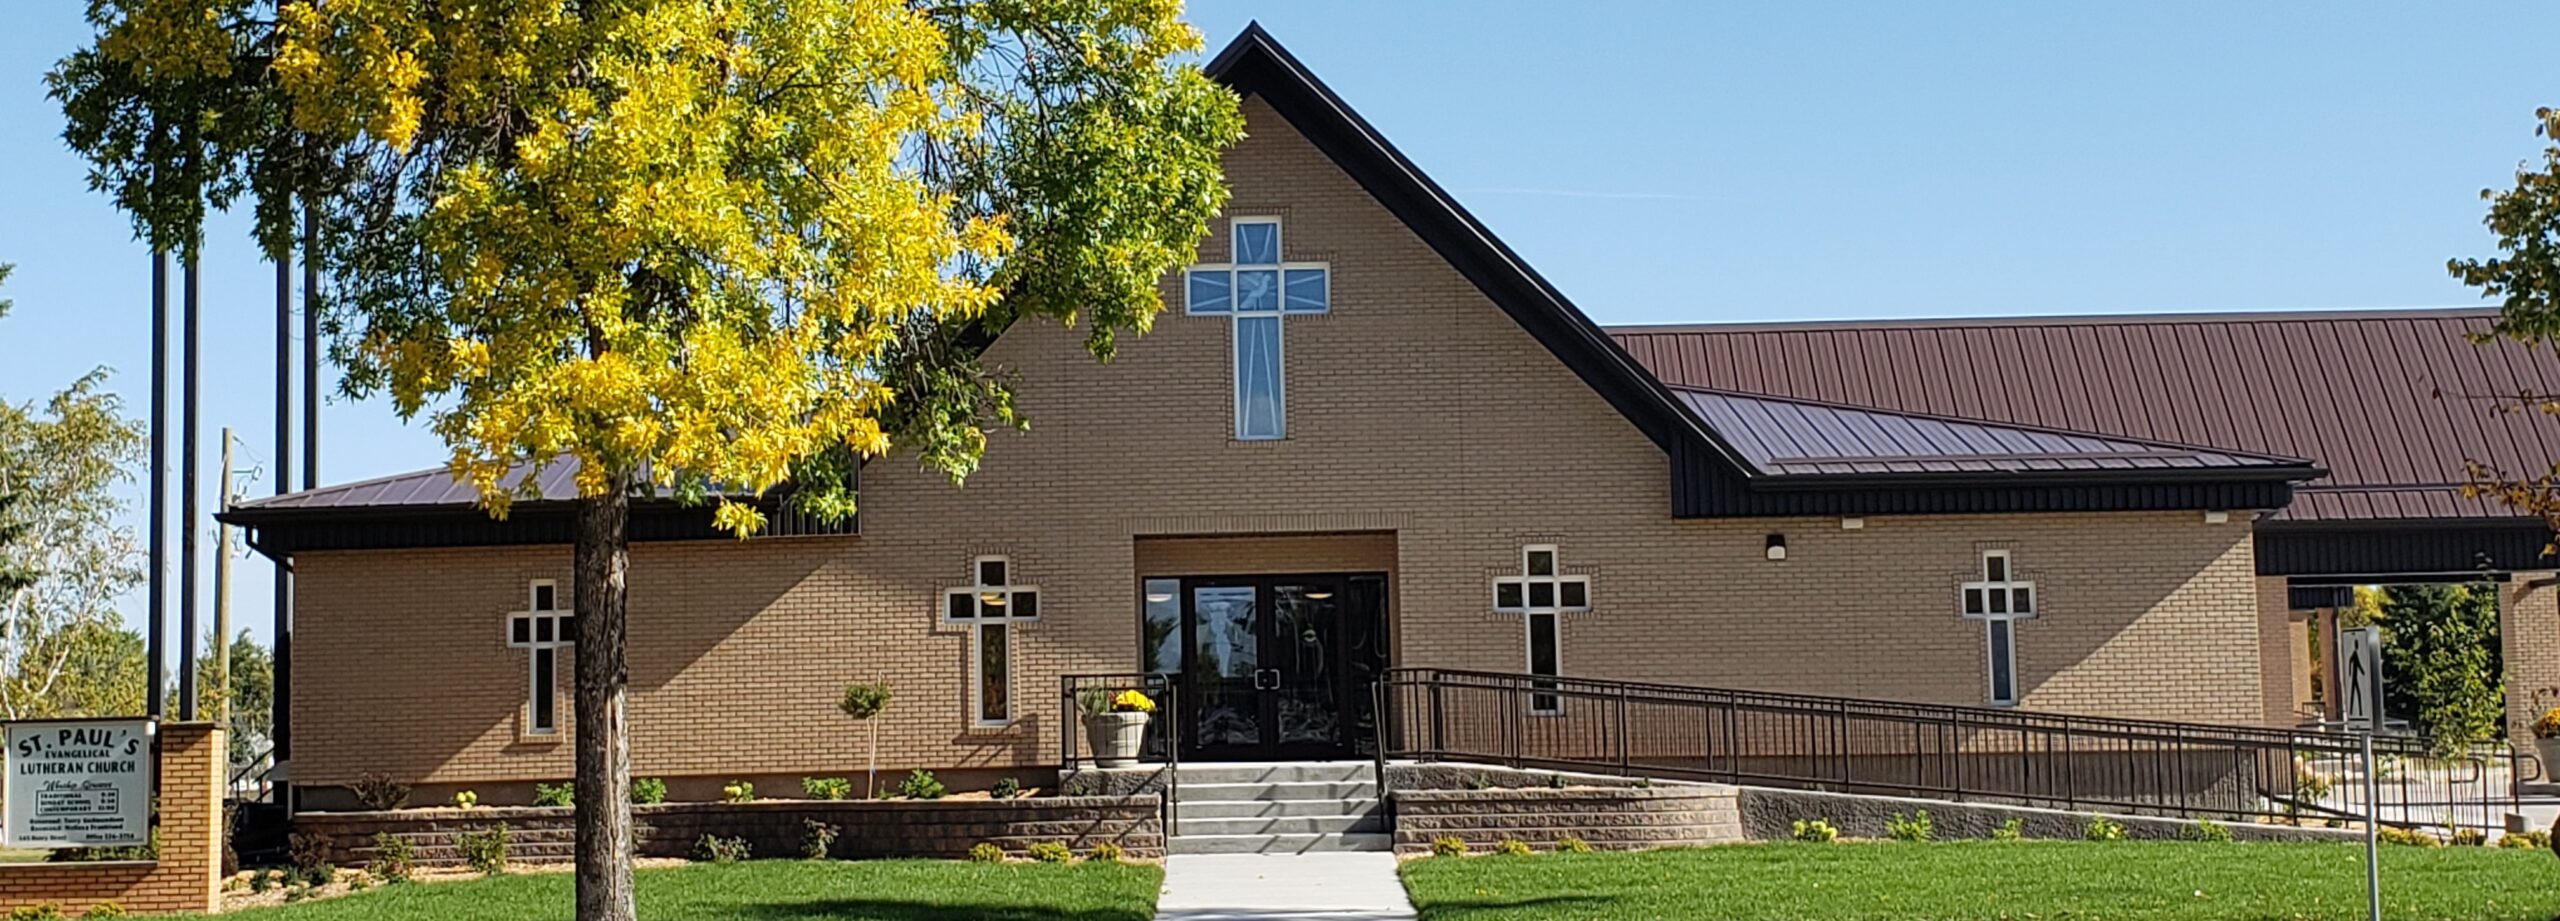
1366,434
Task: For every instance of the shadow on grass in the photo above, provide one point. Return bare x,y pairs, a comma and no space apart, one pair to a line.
895,910
1459,909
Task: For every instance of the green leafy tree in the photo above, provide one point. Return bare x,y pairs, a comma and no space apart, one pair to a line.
681,243
2441,654
2525,282
248,710
15,576
64,557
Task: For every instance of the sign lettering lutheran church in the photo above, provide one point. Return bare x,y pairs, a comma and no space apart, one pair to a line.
78,783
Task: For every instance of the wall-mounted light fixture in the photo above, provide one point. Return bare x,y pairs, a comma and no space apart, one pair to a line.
2217,516
1853,524
1777,546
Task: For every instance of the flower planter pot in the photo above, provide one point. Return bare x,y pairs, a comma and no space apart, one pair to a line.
1116,737
2549,751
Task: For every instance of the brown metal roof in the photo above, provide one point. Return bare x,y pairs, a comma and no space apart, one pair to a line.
2391,402
557,482
1790,437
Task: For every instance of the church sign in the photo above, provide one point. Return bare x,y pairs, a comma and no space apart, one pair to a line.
78,783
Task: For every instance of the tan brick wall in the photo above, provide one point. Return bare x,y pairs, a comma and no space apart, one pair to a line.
187,875
1426,428
2529,632
2283,653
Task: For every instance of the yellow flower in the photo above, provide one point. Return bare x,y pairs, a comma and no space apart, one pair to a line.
1132,701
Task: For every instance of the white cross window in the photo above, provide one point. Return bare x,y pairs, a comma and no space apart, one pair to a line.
1256,289
1540,594
2000,599
989,608
542,630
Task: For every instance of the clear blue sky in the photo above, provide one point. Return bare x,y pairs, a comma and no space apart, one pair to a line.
1673,162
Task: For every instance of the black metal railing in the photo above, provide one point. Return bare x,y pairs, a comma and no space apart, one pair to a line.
254,781
1162,744
1849,745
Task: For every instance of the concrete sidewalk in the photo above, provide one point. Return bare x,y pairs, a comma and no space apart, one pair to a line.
1282,887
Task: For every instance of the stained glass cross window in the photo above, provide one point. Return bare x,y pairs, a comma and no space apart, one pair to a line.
1255,291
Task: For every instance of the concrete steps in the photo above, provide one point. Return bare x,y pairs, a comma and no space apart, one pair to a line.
1289,808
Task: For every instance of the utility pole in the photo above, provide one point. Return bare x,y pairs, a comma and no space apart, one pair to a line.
222,594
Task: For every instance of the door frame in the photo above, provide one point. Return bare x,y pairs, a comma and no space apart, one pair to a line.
1267,699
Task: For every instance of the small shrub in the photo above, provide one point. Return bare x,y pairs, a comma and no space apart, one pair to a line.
2407,837
465,799
359,881
986,852
1555,781
1050,852
321,875
393,857
107,909
1915,828
648,791
564,793
1448,847
1816,831
817,839
1511,847
1107,852
826,788
2012,830
379,792
2470,837
2100,828
298,893
738,791
308,851
1572,845
716,849
40,911
920,785
863,700
262,880
1006,788
2532,840
2207,831
485,851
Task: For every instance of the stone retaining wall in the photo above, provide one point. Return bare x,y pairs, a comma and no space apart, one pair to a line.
1770,815
772,828
1609,818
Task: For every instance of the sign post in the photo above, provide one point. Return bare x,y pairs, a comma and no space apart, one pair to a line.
78,783
2360,678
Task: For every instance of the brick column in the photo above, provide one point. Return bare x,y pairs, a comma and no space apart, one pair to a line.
187,877
2529,637
2280,646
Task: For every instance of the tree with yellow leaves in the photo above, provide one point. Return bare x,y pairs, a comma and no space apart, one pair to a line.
704,248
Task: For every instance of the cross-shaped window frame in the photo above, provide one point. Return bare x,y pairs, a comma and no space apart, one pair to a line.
990,634
542,629
1999,599
1298,289
1541,594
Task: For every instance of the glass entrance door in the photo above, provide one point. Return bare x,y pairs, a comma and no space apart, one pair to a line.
1271,667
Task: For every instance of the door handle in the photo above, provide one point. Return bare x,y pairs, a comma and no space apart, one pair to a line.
1266,679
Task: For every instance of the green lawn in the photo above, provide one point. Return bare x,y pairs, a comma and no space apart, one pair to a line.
1991,880
775,890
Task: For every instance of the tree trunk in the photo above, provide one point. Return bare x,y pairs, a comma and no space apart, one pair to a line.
603,805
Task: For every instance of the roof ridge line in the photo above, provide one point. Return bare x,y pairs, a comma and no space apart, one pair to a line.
1994,423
